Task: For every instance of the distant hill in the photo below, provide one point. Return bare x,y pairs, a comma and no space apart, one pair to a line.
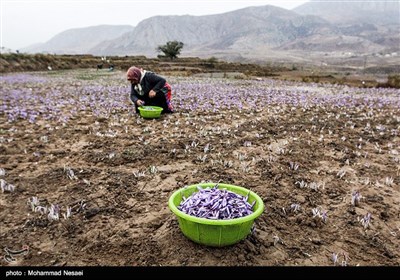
251,34
365,26
353,11
245,29
79,40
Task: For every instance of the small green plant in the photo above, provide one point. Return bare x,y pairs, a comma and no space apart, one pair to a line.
394,81
212,59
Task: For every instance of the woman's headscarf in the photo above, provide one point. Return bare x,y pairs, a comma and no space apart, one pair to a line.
134,73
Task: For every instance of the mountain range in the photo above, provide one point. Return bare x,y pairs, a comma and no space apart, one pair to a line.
250,33
79,40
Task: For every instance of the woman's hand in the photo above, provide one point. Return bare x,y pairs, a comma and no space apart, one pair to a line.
152,93
140,102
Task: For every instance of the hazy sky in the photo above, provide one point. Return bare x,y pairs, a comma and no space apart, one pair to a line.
26,22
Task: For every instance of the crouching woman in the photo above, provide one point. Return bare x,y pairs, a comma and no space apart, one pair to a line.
148,88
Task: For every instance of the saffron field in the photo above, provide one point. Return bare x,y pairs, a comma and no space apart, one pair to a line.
85,181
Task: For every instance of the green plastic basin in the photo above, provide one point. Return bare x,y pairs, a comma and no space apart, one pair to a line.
150,112
217,233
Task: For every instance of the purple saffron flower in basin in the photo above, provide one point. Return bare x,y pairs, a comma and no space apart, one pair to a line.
215,203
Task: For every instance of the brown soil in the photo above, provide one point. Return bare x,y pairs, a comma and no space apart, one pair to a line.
119,219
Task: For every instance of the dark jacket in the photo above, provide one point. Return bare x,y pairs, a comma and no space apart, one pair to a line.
149,82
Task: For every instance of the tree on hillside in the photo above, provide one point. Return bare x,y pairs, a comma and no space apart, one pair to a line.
171,49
